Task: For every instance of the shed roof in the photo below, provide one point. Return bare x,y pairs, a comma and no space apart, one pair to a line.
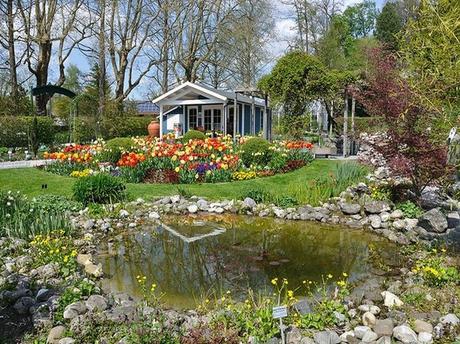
219,96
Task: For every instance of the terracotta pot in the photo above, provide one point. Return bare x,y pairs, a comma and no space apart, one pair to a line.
154,129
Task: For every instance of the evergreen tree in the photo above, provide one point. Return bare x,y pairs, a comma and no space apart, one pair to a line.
388,24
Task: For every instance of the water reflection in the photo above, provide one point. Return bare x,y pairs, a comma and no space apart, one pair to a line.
248,254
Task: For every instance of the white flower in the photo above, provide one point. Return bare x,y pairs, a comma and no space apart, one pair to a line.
8,204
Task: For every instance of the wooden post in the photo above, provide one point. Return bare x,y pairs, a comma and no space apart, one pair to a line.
332,116
353,105
253,116
265,118
161,121
235,115
345,126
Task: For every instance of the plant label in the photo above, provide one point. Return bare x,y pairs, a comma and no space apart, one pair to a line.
280,312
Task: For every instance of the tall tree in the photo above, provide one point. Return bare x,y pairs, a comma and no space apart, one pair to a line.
361,18
388,24
65,23
131,31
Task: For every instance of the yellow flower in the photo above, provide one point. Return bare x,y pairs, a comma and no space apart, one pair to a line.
290,293
329,276
344,274
275,281
177,169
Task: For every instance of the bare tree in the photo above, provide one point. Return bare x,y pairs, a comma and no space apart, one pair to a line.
131,33
45,23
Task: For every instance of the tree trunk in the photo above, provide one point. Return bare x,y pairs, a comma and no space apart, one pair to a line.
12,53
102,67
41,75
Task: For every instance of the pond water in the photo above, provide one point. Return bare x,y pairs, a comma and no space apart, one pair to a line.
190,258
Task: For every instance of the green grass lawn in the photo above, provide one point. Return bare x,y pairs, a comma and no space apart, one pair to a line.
30,180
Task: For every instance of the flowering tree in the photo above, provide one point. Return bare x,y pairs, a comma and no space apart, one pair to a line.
410,150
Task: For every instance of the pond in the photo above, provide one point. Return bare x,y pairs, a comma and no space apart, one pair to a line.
191,258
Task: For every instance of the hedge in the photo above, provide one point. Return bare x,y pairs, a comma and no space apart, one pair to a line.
14,130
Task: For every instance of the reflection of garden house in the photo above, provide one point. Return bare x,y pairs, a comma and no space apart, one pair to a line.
196,106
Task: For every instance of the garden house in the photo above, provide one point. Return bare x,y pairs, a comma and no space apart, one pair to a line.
196,106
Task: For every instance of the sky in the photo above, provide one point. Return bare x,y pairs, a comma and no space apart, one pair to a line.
284,31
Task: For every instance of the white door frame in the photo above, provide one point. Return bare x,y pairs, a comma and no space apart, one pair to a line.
214,107
188,116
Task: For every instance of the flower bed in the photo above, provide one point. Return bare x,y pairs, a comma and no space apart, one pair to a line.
172,161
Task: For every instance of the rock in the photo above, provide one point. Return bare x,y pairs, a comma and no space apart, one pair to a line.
123,213
384,327
96,303
384,340
340,318
84,259
89,224
405,334
47,271
23,305
369,319
302,306
43,295
74,309
385,216
122,314
326,337
376,207
376,221
399,225
453,219
280,213
55,334
67,340
153,215
293,336
433,221
192,209
175,199
396,214
431,198
94,270
249,203
450,319
347,336
360,331
391,300
219,210
349,208
422,326
202,204
425,338
369,308
369,337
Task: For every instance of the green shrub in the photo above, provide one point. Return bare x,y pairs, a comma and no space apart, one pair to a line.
15,131
114,148
194,135
55,203
286,201
100,188
258,195
256,151
410,209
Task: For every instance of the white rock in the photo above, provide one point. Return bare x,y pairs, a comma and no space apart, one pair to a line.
411,224
344,337
123,213
154,215
369,319
219,210
175,199
369,337
376,221
405,334
385,216
360,331
391,300
450,319
193,208
399,225
397,214
425,338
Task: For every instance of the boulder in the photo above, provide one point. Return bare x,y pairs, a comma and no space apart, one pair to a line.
369,319
43,295
23,304
326,337
431,198
391,300
425,338
433,221
249,203
349,208
96,303
450,319
123,213
369,337
405,334
74,309
422,326
94,270
396,214
202,204
192,209
399,225
55,334
376,221
384,340
384,327
376,207
453,219
84,259
293,336
360,331
153,215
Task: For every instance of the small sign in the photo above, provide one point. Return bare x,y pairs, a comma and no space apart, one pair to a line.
280,312
452,133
